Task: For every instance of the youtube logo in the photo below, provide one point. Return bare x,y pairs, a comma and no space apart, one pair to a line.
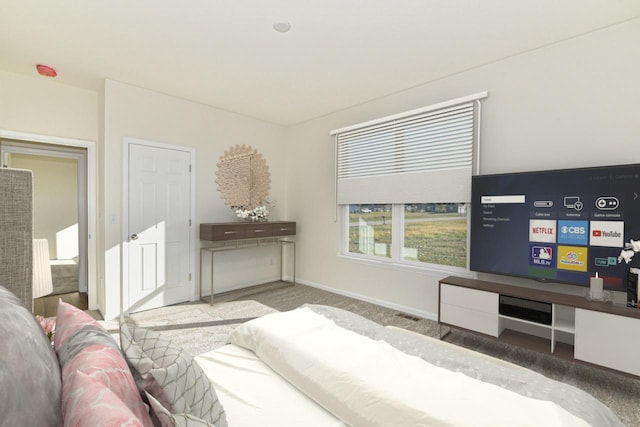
607,233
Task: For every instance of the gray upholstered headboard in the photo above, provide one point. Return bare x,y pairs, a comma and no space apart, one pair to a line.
16,233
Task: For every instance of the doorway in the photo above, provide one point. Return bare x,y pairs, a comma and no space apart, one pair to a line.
61,214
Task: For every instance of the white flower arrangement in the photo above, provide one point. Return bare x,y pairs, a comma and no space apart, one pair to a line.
629,251
259,213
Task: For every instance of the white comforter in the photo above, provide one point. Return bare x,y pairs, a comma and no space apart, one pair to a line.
369,383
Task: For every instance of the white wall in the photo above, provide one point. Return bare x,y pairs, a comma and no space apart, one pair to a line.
55,199
142,114
38,105
571,104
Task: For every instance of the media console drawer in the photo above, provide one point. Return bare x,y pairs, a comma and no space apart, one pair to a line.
472,299
608,340
470,309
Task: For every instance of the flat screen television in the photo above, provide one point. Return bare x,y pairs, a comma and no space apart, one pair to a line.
560,226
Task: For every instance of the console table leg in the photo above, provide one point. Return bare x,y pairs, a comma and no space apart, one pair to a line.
212,263
282,244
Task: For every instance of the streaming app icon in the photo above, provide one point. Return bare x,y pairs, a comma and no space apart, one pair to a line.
542,230
607,233
541,255
573,232
572,258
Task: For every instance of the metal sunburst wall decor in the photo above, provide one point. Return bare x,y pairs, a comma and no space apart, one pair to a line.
243,178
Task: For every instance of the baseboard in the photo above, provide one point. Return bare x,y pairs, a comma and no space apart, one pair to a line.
383,303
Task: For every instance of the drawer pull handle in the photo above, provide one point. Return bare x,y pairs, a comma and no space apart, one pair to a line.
258,231
284,229
230,232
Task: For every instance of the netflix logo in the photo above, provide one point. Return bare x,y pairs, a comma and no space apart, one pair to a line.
542,230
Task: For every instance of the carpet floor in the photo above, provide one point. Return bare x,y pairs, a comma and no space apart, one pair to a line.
200,327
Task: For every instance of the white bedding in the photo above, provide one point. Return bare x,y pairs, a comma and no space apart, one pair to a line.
369,383
252,394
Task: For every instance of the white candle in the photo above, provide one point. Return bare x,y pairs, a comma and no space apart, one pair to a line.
595,284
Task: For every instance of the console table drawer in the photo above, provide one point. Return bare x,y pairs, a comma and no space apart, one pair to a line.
258,230
284,229
222,231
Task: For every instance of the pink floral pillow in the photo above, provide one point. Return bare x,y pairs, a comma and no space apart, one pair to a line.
106,366
85,347
87,402
69,320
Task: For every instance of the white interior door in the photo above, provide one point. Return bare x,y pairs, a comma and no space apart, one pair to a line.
158,222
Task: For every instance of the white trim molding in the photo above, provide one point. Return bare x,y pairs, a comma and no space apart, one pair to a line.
92,168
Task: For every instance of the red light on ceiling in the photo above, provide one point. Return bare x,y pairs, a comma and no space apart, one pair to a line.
45,70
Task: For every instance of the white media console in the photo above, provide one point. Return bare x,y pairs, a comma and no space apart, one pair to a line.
574,328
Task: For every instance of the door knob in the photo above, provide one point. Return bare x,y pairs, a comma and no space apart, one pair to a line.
133,237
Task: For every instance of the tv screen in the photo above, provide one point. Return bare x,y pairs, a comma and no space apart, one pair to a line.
558,226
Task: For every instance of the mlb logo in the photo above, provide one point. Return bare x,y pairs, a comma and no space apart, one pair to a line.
542,252
541,256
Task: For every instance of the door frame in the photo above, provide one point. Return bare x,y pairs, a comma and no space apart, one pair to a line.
193,236
91,199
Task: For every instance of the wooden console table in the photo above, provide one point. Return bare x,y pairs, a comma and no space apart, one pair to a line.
241,235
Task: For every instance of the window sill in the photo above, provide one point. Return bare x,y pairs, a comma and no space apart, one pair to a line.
428,269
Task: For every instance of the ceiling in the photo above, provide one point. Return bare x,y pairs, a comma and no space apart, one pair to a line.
338,53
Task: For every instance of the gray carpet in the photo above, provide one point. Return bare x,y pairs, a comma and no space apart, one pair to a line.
199,328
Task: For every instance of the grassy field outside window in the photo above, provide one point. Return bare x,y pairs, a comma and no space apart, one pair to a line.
434,233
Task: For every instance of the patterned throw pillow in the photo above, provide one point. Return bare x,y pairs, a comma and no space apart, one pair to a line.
171,375
87,402
167,419
85,347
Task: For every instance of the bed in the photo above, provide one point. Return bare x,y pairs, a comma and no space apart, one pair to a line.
64,275
314,366
323,366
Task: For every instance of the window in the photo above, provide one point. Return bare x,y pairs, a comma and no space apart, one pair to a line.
431,233
435,233
403,183
370,230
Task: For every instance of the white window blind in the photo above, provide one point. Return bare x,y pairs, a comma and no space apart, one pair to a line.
420,156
